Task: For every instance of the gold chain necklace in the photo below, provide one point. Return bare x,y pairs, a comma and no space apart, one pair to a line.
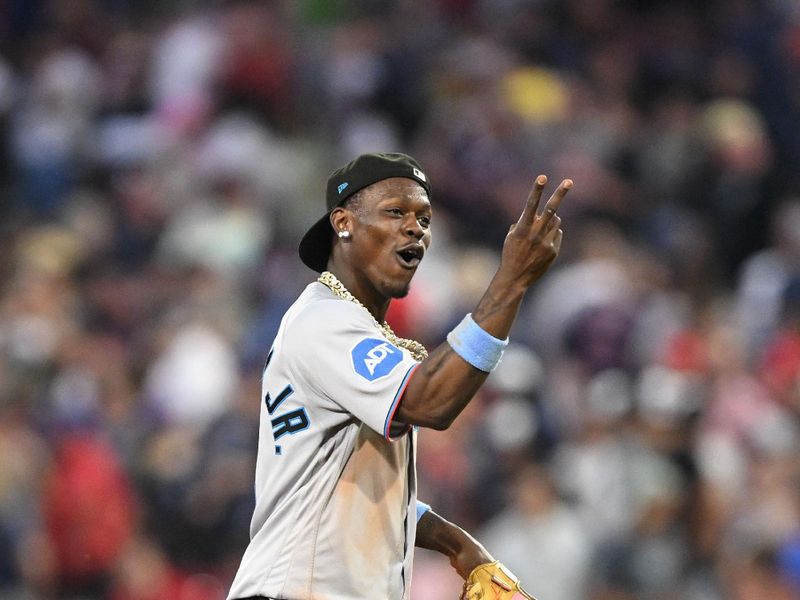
416,349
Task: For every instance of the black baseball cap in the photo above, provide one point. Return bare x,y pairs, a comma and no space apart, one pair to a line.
315,247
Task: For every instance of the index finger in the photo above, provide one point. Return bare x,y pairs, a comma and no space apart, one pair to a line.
532,204
555,200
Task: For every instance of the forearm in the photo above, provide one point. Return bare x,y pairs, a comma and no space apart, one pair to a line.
445,382
438,534
498,308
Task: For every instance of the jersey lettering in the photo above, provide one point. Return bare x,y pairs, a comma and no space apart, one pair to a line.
290,422
285,393
374,358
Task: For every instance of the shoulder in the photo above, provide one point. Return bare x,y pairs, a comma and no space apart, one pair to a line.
318,311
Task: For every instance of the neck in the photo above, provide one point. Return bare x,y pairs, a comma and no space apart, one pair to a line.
416,349
366,293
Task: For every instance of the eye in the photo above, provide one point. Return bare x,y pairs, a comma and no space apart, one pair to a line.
425,221
395,212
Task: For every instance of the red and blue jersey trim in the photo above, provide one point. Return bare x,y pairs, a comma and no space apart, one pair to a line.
395,403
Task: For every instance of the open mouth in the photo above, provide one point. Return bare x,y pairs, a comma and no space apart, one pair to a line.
410,256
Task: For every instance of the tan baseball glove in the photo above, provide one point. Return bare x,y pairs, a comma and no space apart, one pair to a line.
493,581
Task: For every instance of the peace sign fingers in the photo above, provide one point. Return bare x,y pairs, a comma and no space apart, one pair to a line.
532,205
533,242
554,202
530,216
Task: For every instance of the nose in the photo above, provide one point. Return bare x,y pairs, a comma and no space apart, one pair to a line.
413,228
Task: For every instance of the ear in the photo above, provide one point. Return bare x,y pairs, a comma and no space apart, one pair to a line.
341,219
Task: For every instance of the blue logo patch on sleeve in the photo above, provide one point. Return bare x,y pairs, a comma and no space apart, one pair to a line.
374,358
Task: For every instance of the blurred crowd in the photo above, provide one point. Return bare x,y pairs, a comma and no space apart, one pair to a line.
160,160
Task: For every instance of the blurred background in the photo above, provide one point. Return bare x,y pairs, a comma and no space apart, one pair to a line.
159,161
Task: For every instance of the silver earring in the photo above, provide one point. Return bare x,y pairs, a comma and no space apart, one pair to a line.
344,234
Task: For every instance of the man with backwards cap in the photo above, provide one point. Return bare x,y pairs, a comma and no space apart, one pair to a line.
336,513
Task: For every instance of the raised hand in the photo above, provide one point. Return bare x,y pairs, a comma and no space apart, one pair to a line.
533,242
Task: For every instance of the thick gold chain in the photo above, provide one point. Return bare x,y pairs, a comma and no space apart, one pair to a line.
417,350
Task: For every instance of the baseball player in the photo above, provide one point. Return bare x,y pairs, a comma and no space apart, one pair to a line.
337,515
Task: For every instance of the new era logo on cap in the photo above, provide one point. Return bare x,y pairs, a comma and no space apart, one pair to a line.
342,187
419,174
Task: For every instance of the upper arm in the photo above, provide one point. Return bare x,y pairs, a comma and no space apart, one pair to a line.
439,389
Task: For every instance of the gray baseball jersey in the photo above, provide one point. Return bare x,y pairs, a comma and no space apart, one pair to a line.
335,482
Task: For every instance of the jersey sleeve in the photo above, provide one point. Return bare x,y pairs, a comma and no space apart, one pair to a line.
422,508
338,351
